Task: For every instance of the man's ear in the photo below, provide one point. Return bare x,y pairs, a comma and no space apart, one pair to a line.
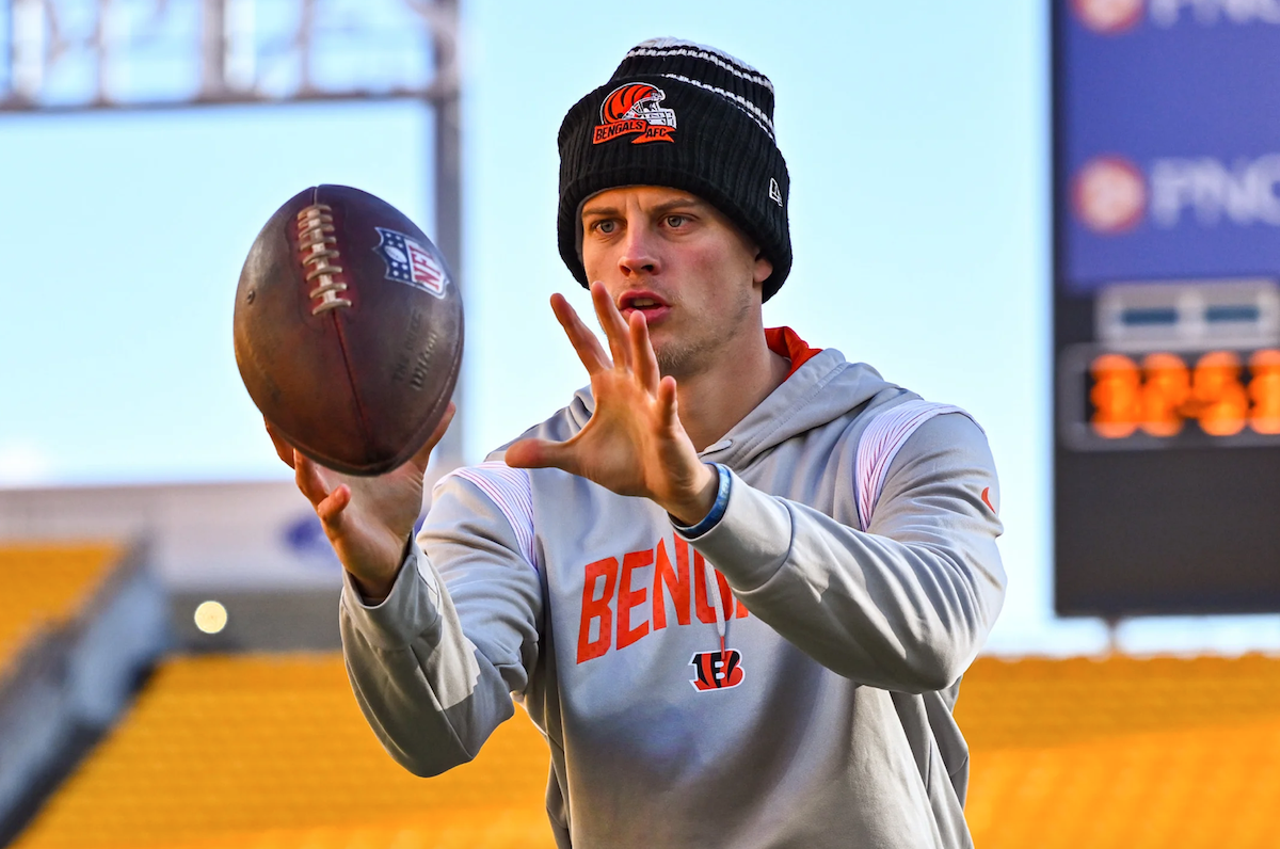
763,269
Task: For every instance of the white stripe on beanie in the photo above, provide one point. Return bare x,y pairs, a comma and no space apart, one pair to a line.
754,112
677,47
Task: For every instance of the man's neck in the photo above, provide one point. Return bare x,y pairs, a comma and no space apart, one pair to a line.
713,400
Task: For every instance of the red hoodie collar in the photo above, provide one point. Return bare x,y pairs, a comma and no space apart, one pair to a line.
784,342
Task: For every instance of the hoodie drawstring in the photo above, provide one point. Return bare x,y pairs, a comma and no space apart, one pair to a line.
713,593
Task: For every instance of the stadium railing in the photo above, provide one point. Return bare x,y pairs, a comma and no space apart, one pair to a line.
80,659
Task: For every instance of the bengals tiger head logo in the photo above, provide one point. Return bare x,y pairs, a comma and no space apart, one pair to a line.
632,108
637,100
717,670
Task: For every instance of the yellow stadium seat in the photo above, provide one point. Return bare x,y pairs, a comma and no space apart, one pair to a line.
1123,752
46,585
272,751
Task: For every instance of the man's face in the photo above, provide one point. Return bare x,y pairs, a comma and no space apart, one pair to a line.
678,260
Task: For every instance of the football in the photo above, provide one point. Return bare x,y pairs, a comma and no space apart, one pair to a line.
348,329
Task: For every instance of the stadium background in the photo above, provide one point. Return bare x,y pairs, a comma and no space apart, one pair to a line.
137,481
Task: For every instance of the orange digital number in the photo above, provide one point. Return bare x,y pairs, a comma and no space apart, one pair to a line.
1161,394
1264,391
1116,396
1219,400
1164,392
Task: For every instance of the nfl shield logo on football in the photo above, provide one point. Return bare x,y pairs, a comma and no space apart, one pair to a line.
410,261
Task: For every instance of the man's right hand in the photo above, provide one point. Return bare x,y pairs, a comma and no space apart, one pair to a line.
368,520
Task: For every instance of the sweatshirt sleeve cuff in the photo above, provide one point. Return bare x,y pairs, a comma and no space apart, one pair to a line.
724,482
752,538
411,608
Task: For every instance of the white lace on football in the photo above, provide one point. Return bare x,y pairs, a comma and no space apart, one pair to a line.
319,246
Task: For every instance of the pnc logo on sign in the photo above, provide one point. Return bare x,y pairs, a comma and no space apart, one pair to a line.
1109,195
1208,13
1242,192
1108,17
1112,17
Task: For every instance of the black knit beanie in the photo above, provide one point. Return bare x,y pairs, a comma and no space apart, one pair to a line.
689,117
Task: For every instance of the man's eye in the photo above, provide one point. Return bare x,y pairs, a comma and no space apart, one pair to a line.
605,226
676,220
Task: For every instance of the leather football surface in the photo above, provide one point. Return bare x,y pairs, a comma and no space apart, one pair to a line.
348,329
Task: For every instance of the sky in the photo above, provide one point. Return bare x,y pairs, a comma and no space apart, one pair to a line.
917,138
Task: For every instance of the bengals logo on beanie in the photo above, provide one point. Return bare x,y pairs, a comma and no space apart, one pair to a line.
633,108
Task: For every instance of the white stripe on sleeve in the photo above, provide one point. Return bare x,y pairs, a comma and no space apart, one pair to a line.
879,444
510,490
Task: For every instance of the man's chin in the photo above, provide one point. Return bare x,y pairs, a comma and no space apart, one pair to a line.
675,359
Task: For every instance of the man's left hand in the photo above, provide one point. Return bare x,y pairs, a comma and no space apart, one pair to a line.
634,443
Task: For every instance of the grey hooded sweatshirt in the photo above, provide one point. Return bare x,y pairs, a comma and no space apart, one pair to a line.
786,679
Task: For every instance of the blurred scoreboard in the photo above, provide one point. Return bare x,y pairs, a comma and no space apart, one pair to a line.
1166,306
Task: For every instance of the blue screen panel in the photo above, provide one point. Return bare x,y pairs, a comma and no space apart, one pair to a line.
1169,140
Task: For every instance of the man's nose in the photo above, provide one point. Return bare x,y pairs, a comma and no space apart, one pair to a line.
639,253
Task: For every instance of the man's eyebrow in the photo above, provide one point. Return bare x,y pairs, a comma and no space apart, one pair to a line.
660,209
677,203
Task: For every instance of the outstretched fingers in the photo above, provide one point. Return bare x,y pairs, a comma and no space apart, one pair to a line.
328,504
667,403
643,360
585,343
330,510
283,449
613,324
542,454
307,475
423,457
